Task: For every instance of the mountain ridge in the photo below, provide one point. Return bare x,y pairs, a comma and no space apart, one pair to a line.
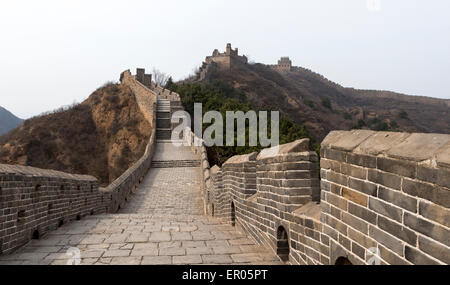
8,120
323,105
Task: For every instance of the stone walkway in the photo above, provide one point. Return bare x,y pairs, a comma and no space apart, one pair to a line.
162,223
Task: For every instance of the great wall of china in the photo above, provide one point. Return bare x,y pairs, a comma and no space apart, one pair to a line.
371,196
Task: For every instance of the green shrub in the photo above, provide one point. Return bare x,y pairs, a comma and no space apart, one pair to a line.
220,97
326,102
403,114
309,103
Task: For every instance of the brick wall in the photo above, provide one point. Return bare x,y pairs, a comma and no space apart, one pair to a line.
262,193
383,197
389,191
35,201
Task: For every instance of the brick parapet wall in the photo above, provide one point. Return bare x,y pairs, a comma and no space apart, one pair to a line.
35,201
265,191
389,191
383,197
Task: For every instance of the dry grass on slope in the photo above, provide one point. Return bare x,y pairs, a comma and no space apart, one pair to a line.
103,136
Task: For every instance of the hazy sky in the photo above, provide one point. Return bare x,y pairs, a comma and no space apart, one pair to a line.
53,53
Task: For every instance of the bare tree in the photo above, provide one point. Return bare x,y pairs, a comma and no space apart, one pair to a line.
160,77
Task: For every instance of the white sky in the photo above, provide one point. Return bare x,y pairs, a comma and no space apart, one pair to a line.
53,53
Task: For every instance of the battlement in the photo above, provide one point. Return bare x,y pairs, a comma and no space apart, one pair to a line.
381,197
284,64
225,60
143,78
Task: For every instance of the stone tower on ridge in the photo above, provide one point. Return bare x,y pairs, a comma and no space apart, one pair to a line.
225,60
284,64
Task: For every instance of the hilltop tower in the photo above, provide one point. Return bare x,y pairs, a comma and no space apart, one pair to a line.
284,64
225,60
142,77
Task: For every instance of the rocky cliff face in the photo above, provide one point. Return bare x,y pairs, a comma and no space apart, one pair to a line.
309,98
103,136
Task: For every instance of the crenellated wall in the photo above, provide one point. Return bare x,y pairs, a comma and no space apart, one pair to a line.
35,201
261,192
383,198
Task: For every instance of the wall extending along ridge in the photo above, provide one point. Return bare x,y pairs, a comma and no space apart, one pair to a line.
35,201
383,197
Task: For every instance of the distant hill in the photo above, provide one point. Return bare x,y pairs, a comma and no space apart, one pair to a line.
321,105
103,136
8,121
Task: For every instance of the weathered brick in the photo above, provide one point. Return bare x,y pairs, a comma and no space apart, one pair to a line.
355,223
399,167
444,178
363,186
427,228
335,189
384,178
388,240
427,191
398,198
354,196
362,213
434,249
385,209
345,242
335,212
325,185
330,231
397,230
325,163
358,250
435,213
392,258
337,201
361,238
335,224
335,154
338,178
354,171
362,160
418,258
427,174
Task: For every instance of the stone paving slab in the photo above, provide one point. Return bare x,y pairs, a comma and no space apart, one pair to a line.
233,249
168,191
170,152
162,223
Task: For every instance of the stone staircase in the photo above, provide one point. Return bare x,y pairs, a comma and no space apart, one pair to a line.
169,155
176,163
163,116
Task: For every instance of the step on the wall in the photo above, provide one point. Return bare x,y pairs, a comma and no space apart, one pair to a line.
163,123
175,163
163,134
163,115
